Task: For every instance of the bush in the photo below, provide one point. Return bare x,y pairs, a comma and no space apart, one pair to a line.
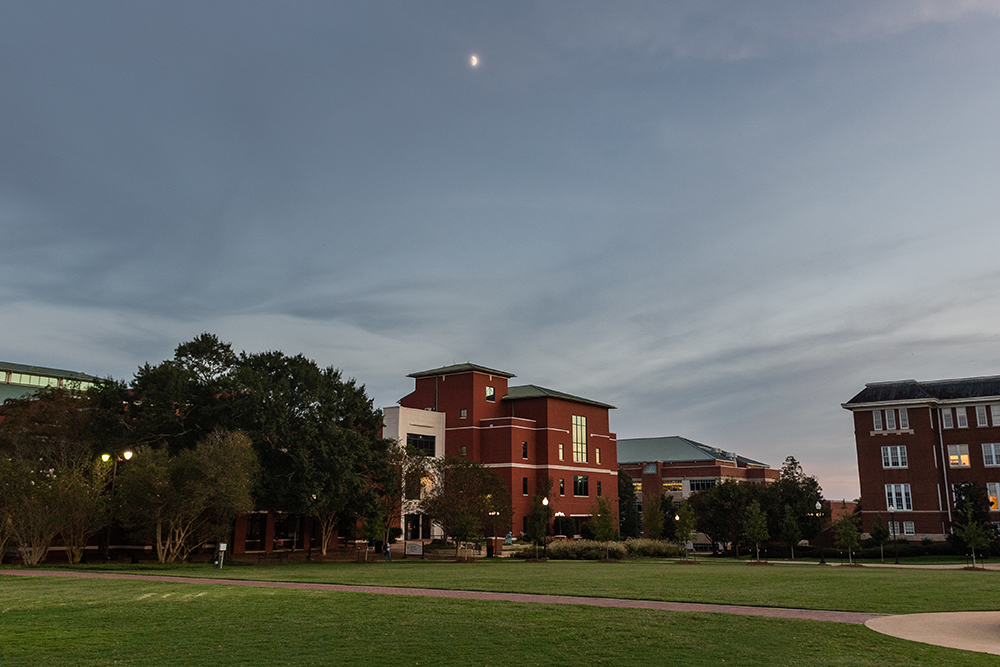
579,550
643,548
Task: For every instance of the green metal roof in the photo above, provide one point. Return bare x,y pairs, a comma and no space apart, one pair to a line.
460,368
674,449
534,391
47,372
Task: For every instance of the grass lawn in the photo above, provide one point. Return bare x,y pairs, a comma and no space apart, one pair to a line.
58,621
865,589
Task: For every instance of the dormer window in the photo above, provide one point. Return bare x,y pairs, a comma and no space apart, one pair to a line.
490,394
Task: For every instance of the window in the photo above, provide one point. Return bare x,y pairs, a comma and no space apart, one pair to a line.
524,486
562,454
464,413
673,486
701,484
890,420
423,443
961,418
946,418
524,450
904,419
877,418
597,455
993,491
581,485
462,450
897,496
490,394
995,414
579,439
598,487
894,456
991,453
981,416
562,487
908,528
958,456
893,529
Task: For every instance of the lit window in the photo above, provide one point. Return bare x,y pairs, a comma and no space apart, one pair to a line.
991,453
958,456
579,439
993,491
562,455
897,496
490,394
981,416
673,486
877,418
961,418
581,485
908,528
904,419
597,455
946,418
894,456
890,420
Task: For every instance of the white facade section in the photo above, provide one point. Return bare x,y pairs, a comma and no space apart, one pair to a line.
400,421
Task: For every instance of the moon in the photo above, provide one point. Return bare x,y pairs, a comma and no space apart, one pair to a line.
474,60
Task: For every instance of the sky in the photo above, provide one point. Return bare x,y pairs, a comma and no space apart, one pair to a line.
723,218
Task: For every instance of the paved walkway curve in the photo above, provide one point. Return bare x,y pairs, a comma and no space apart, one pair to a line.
773,612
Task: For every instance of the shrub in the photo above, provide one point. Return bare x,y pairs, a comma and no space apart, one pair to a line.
579,550
644,548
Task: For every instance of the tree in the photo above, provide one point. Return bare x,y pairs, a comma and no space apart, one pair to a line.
628,512
603,520
719,511
538,522
83,505
879,535
187,499
972,508
790,531
847,535
755,526
976,534
684,522
799,491
652,516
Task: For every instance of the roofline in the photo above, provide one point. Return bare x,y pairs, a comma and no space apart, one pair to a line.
457,369
552,393
931,402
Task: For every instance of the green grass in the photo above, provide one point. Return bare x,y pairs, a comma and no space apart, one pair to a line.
864,589
59,621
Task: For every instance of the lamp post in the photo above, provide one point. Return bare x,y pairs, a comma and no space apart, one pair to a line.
126,455
545,537
892,531
822,546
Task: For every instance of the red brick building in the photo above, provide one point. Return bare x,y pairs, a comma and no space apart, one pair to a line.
916,440
526,434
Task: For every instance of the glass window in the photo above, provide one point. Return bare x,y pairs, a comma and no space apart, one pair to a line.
673,486
524,486
464,413
579,439
981,416
958,456
897,496
961,418
423,443
993,491
908,528
946,418
562,487
995,414
701,484
490,394
462,450
877,419
562,455
524,450
991,454
890,420
581,485
894,456
597,455
904,419
598,487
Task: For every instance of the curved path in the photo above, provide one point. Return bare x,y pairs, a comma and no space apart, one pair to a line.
968,630
774,612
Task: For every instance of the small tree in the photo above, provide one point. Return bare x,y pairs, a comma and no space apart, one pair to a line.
628,511
790,531
755,526
538,522
603,523
879,535
847,535
652,516
683,526
976,534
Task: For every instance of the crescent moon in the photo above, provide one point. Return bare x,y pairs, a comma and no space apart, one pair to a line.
474,61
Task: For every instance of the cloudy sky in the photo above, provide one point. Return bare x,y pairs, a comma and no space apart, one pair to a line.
722,217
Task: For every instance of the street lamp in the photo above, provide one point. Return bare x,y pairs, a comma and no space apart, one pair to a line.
126,455
822,546
545,537
892,531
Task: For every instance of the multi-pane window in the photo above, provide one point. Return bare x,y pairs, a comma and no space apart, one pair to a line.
993,491
673,486
877,419
904,419
562,455
897,496
579,439
995,414
981,416
958,456
581,485
464,413
890,420
893,529
991,453
701,484
946,418
908,528
961,418
894,456
422,443
491,394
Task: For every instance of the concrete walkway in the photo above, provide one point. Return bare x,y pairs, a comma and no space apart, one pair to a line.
967,630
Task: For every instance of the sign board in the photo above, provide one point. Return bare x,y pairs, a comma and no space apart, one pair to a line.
222,546
414,549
